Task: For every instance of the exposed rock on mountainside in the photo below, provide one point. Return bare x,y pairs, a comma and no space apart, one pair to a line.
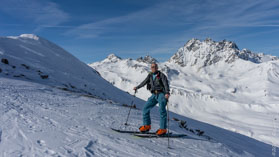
207,52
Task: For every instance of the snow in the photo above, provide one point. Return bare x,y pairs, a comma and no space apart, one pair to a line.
30,36
39,120
25,36
233,89
35,58
52,104
32,51
208,52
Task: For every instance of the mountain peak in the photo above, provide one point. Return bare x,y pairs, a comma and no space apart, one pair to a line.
194,43
113,57
191,43
207,52
147,59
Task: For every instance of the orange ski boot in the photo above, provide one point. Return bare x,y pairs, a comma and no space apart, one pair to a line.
161,132
145,128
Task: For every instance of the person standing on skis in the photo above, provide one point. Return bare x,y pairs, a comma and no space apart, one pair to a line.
158,84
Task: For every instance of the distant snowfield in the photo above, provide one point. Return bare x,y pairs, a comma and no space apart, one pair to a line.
212,82
37,120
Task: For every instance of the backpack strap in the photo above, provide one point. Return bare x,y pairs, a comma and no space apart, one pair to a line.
159,75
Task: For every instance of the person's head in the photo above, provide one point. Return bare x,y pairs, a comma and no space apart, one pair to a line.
154,67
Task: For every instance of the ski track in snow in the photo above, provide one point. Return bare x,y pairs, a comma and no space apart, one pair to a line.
38,120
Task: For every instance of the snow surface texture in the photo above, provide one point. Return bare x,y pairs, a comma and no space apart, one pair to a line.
38,120
54,105
213,82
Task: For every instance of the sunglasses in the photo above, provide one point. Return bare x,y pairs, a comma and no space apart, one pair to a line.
153,67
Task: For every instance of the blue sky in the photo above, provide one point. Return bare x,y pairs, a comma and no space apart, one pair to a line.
92,29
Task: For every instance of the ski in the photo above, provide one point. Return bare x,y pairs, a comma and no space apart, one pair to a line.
131,132
161,136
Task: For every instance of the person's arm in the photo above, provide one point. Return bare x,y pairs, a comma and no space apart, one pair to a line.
165,83
144,82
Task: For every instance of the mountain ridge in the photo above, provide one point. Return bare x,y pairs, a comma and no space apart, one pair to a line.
243,88
207,52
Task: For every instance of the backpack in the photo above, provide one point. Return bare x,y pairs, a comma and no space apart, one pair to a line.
148,85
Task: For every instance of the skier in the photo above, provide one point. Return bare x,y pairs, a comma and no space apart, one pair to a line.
158,84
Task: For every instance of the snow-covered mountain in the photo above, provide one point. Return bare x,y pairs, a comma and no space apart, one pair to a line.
35,59
207,52
52,104
213,82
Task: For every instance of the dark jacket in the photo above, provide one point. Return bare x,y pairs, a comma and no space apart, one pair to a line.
160,83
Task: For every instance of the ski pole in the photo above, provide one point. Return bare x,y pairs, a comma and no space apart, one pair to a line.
168,125
130,108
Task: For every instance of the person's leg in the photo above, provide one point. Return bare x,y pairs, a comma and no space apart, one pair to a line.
162,108
151,102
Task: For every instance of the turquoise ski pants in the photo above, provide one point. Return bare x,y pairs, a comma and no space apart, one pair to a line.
151,102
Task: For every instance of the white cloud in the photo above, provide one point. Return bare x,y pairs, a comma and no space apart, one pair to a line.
202,15
38,12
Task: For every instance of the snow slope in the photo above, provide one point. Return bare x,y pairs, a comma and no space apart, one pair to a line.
46,110
213,82
36,59
38,120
